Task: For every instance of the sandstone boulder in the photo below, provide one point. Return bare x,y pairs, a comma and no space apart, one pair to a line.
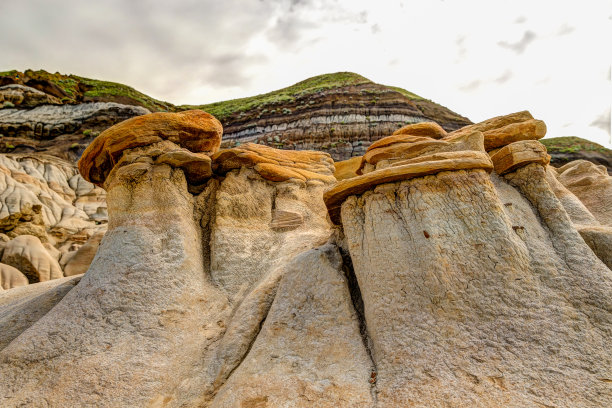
393,149
11,277
494,123
197,166
347,168
447,284
25,97
27,254
80,261
427,129
401,161
430,252
276,165
519,154
503,130
196,131
592,185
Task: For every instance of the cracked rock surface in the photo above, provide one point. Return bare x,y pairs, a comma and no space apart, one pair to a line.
460,270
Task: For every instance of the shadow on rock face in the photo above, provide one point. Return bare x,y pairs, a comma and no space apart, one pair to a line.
220,282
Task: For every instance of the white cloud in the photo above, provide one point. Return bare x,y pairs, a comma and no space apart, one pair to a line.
479,58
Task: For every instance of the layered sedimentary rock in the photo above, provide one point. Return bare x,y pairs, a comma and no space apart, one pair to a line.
24,96
339,113
60,130
47,211
341,118
453,279
444,269
592,185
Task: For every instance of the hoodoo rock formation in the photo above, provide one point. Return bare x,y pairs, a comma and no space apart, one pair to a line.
439,269
341,114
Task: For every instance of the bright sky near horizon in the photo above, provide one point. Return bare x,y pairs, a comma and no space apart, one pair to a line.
479,58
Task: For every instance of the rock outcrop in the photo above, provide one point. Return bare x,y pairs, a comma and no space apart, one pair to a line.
64,130
453,279
592,185
564,150
340,113
11,277
28,255
25,97
444,269
48,211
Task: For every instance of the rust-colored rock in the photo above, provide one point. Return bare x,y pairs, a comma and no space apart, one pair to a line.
404,148
197,166
519,154
195,130
418,167
529,130
503,130
276,165
347,168
493,123
391,149
428,129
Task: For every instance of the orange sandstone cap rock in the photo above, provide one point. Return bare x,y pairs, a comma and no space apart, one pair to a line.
194,130
275,164
429,129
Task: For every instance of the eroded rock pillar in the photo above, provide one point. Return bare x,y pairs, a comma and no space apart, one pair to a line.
134,330
459,310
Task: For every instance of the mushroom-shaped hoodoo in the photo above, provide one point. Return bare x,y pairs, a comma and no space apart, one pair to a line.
193,135
405,156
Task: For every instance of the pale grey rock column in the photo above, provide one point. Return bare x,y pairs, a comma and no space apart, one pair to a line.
460,312
134,330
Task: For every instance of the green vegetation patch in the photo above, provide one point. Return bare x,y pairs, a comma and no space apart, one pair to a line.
407,94
573,144
223,110
76,88
103,90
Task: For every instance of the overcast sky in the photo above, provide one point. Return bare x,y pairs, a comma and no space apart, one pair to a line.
479,58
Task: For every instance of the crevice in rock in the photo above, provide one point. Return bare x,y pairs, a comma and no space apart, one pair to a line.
221,381
357,300
204,214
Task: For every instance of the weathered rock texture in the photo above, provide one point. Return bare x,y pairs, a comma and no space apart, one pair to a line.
342,118
444,282
592,185
11,277
62,130
24,96
195,131
340,113
47,211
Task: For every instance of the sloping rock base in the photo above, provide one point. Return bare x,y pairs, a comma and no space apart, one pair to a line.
249,278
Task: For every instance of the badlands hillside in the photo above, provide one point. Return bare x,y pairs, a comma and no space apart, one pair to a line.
340,114
409,258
